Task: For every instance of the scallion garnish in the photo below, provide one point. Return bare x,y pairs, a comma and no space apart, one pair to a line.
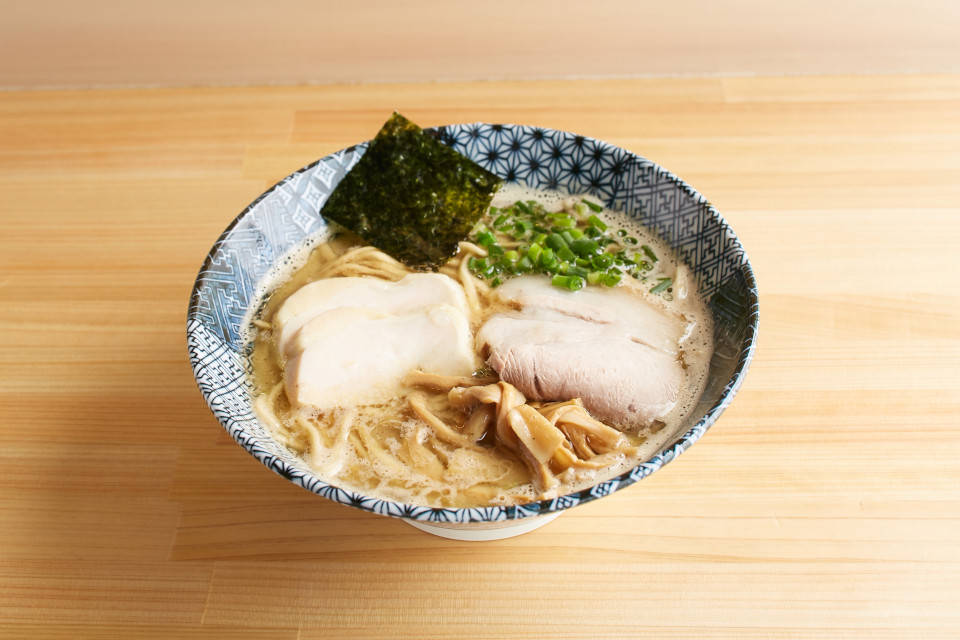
522,226
593,206
597,222
610,279
663,285
584,248
556,242
524,207
566,255
603,261
572,250
486,239
563,220
573,283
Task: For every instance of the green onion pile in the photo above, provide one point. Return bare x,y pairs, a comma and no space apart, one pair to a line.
575,248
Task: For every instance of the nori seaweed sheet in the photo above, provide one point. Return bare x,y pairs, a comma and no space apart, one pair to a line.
412,196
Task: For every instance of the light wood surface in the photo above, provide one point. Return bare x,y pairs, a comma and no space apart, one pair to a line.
64,43
825,503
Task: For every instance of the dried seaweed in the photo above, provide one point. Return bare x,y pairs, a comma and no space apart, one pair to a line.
412,196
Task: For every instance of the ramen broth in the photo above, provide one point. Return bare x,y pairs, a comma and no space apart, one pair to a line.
388,450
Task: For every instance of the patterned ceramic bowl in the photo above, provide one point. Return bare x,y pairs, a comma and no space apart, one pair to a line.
231,283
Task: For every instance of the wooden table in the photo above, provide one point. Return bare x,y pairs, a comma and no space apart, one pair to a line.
824,503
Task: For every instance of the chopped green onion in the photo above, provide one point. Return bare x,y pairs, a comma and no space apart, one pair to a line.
603,261
610,279
572,246
566,255
556,242
663,285
486,239
597,222
574,270
522,226
572,283
584,248
593,206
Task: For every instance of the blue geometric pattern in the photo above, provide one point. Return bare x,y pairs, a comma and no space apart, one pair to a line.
231,281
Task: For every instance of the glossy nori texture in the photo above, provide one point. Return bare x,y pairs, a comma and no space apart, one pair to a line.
412,196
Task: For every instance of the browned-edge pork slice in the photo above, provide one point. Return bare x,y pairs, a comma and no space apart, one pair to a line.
548,355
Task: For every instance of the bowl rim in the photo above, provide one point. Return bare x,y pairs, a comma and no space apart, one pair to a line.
641,470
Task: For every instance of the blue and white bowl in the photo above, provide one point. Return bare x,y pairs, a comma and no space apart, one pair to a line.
234,273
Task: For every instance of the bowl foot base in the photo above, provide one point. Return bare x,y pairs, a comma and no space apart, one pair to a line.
484,532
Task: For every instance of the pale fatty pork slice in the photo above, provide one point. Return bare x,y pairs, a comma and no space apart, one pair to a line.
618,353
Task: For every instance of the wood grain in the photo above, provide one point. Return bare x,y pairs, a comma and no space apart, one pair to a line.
825,503
59,43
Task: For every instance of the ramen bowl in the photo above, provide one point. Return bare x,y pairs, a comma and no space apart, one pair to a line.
233,282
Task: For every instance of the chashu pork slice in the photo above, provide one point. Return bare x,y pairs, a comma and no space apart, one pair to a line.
623,308
352,355
612,348
416,292
551,356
